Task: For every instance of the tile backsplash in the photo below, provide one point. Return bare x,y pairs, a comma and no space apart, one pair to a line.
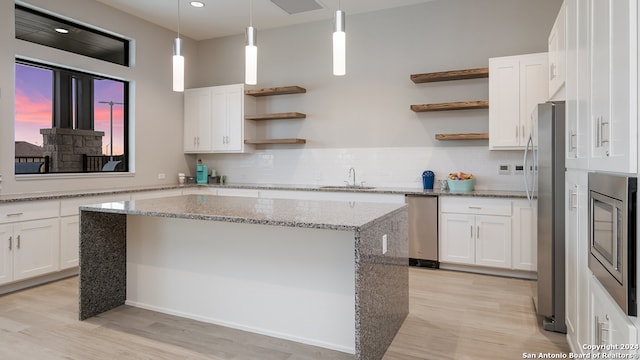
383,167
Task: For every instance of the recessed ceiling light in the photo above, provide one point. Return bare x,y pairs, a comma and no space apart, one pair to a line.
61,30
197,4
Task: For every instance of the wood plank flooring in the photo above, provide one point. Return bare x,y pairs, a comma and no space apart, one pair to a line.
453,315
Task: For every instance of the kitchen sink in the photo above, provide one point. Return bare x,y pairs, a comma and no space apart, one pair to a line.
349,187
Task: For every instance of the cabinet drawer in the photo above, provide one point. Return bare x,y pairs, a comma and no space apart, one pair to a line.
70,206
29,210
477,206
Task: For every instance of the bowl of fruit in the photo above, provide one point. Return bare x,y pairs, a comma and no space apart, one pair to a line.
461,182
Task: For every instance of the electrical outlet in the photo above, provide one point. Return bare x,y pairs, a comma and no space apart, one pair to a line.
504,169
161,176
384,244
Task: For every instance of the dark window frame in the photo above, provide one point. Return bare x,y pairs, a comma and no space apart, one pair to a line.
65,105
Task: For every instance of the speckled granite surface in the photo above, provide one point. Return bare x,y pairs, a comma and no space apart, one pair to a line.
8,198
381,284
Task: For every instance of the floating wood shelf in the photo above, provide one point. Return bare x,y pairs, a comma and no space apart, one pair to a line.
275,141
468,136
282,90
450,75
287,115
462,105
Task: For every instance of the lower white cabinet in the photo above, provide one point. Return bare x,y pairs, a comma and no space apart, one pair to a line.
69,241
609,325
492,232
29,249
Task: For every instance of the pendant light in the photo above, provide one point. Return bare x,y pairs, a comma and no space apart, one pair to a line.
251,51
339,44
178,60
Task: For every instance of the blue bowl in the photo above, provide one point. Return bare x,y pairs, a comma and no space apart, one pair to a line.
461,185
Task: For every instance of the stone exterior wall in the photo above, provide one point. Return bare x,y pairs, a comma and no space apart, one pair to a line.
65,147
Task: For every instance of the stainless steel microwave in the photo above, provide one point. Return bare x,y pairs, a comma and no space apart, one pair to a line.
612,236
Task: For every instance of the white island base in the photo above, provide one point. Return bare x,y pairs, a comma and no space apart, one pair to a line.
290,283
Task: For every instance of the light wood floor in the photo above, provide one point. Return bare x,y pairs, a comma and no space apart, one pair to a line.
452,316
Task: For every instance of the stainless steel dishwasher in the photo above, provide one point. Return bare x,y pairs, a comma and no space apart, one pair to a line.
423,230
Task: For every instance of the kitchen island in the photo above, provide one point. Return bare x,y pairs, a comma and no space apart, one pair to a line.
331,274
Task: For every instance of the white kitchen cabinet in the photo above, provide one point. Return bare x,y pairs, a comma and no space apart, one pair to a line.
613,64
30,248
577,84
517,84
475,231
197,120
214,119
557,56
524,236
609,324
577,249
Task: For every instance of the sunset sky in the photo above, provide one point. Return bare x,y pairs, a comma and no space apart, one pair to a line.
34,107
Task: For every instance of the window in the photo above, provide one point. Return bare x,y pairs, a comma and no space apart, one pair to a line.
69,121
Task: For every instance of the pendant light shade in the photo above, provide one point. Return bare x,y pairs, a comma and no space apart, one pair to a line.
178,66
339,45
251,57
178,60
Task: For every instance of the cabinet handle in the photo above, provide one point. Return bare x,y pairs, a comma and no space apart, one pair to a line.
602,125
522,133
552,71
478,232
18,245
573,204
572,138
517,135
10,242
471,231
15,214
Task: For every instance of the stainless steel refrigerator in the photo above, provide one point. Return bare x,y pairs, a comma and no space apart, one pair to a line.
544,180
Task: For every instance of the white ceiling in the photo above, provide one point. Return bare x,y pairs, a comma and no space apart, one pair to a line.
228,17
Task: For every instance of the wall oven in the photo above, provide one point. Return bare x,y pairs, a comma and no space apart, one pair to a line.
612,236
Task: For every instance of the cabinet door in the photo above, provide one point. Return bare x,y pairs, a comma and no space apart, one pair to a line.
493,241
6,253
534,89
557,53
614,94
235,118
504,100
219,118
37,246
457,243
197,120
609,325
69,240
524,240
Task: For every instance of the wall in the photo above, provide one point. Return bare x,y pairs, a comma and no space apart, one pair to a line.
356,119
156,111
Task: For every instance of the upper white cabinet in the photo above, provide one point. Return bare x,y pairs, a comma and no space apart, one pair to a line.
197,120
557,56
214,119
613,74
516,85
577,84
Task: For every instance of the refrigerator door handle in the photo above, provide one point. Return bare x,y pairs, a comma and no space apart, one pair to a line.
526,179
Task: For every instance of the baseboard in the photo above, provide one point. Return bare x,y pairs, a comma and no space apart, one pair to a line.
27,283
529,275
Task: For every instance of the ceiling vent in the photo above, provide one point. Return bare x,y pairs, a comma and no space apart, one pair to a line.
298,6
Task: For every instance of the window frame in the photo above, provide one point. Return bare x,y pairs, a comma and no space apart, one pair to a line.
68,104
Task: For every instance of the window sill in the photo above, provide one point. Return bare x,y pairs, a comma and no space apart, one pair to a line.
95,175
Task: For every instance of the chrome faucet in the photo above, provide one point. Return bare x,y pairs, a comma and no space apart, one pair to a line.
351,169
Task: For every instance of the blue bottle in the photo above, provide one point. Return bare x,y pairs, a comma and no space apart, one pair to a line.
428,177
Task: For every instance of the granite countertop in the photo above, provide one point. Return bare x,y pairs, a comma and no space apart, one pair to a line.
334,215
9,198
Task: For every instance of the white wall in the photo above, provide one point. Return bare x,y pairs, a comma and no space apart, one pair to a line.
156,111
369,107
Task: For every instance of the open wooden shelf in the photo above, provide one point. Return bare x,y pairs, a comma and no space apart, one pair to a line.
287,115
478,73
468,136
461,105
275,141
282,90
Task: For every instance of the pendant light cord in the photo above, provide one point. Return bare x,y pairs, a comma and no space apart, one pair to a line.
250,12
178,18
